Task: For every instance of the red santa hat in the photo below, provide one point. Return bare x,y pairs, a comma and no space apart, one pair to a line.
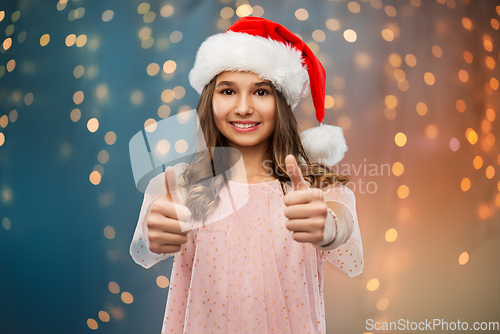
274,53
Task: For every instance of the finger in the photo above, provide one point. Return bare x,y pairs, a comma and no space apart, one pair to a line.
187,225
168,209
299,211
165,249
301,197
173,193
162,223
179,227
306,237
299,225
167,238
295,174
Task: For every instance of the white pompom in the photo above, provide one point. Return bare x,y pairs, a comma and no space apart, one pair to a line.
324,143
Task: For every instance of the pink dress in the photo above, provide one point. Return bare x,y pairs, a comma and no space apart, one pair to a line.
244,273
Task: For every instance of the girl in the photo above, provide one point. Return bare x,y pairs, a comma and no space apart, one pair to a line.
258,269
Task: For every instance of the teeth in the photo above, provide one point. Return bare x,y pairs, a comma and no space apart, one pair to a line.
244,126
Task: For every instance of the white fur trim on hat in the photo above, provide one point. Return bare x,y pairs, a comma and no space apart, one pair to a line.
324,143
269,59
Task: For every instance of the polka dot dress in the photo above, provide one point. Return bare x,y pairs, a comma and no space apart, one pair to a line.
242,272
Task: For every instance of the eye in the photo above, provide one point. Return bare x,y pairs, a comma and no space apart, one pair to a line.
227,91
262,92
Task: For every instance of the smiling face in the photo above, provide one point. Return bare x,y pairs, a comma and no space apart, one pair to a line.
244,108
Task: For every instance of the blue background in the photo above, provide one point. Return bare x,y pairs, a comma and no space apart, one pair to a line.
55,260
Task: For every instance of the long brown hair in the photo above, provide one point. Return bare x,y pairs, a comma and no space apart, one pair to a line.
285,140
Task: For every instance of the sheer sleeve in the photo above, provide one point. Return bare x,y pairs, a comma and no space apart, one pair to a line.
139,247
348,257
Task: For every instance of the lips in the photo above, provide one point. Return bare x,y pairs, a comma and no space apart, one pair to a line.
244,122
245,126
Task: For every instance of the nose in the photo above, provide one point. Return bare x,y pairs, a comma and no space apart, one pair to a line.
244,105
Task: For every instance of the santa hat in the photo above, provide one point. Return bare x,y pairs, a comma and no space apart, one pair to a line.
274,53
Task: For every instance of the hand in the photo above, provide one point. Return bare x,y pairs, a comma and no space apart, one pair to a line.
165,225
306,208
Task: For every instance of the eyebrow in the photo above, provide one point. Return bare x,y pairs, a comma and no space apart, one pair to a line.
232,83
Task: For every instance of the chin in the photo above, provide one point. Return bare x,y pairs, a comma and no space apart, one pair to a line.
245,144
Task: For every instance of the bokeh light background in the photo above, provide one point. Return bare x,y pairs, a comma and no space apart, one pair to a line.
413,83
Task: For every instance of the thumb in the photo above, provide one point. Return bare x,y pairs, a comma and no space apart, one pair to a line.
173,193
293,171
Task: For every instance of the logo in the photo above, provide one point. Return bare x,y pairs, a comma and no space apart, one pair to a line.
179,139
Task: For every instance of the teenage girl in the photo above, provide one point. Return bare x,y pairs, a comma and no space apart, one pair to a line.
255,266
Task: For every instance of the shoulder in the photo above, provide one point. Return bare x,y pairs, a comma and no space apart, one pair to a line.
179,168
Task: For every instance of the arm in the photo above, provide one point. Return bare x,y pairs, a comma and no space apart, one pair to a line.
139,247
310,221
346,251
338,227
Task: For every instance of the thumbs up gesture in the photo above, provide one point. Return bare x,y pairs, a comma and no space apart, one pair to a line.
166,223
305,209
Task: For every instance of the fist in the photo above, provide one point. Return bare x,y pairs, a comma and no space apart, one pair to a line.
305,207
166,223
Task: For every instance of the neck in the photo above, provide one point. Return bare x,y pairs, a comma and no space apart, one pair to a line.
253,164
